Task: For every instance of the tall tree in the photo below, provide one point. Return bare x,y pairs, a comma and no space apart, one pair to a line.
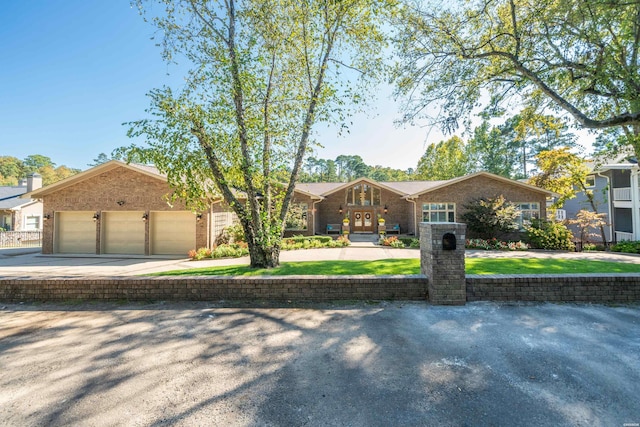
444,160
264,71
492,149
575,56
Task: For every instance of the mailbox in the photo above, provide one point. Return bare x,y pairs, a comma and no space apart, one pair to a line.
449,242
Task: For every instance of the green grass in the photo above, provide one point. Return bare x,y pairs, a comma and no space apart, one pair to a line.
412,266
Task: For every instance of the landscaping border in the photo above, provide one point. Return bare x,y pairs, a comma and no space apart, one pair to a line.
592,288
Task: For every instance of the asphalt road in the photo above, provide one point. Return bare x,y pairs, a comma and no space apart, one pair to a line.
389,364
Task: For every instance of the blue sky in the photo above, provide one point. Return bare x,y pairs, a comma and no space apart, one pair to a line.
73,71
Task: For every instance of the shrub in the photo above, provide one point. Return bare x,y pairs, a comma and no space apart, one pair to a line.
343,241
415,243
544,234
495,244
491,217
627,246
392,241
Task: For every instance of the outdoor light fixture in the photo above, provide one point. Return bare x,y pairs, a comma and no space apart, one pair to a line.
145,216
340,210
120,202
198,217
386,210
96,216
46,217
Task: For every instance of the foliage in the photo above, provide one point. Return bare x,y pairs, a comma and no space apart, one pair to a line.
587,223
552,235
262,73
491,217
577,57
495,244
347,168
627,246
392,241
444,160
566,174
12,169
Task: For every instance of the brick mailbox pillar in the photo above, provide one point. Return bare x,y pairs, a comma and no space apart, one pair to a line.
442,261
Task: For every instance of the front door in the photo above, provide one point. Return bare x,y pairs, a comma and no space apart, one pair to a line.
362,221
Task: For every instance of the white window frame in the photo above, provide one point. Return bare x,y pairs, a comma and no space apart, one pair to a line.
590,181
448,208
37,223
527,213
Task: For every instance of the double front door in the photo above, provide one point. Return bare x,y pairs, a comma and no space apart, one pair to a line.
362,221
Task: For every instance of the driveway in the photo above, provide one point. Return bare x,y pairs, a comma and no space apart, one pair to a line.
484,364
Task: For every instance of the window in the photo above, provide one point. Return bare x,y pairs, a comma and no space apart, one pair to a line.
297,217
528,211
363,195
590,181
439,212
32,223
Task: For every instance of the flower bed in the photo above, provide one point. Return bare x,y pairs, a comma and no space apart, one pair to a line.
496,245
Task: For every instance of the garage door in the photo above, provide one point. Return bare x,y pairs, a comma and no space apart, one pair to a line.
123,233
75,233
172,233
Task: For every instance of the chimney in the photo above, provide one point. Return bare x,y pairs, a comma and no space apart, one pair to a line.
34,181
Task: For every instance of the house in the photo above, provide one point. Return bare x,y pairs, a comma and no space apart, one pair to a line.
622,176
599,184
17,213
119,208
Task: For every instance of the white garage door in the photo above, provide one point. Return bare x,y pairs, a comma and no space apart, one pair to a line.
75,233
123,233
172,233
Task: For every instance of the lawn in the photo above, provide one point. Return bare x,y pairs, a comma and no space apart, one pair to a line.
412,266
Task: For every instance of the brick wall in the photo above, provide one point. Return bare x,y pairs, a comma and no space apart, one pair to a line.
303,288
595,288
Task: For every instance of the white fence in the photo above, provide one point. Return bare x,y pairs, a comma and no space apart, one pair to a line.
20,239
621,235
622,194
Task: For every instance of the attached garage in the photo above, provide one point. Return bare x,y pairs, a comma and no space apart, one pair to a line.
75,233
172,233
123,233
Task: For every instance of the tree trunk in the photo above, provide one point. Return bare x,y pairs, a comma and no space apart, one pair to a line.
263,257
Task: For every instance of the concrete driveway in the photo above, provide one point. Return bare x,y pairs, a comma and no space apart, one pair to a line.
390,364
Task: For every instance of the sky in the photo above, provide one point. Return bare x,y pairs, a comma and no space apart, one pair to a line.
73,71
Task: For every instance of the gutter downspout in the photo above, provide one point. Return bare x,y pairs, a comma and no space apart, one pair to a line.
415,216
314,213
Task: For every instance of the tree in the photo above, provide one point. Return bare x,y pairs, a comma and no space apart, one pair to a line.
263,72
492,151
102,158
35,162
575,56
444,160
489,217
565,173
11,169
586,221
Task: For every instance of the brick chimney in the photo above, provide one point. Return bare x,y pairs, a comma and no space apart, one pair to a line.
34,181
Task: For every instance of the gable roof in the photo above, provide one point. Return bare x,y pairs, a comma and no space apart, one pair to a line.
95,171
408,189
442,184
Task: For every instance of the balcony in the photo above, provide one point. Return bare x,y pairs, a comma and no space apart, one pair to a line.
621,235
622,194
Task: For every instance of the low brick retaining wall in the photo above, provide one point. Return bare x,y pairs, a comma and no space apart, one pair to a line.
299,288
596,288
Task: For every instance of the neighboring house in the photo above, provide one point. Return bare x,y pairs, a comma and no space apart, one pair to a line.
118,208
600,185
17,213
624,197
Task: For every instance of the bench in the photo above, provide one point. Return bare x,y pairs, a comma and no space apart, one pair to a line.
393,228
334,228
